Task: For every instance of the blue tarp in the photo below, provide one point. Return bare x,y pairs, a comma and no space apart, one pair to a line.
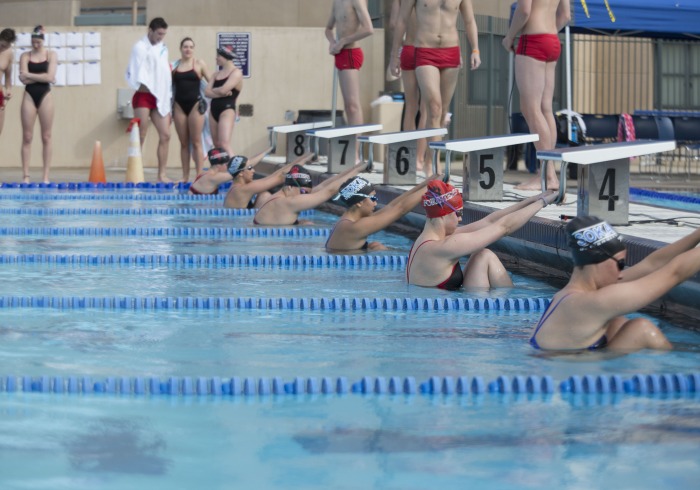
638,18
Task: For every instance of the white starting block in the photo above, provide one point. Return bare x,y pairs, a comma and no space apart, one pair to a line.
400,161
297,141
483,170
604,175
341,144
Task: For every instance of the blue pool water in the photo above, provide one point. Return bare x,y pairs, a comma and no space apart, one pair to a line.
351,440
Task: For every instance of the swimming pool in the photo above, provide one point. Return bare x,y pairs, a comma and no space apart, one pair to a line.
127,438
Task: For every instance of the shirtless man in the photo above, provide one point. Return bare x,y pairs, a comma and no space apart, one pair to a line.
7,37
351,22
149,74
438,59
538,22
414,103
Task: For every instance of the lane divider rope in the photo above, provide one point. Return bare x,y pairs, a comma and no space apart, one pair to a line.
218,260
650,384
261,303
256,231
110,197
160,186
133,212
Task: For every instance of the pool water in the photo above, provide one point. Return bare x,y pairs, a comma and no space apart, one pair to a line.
489,440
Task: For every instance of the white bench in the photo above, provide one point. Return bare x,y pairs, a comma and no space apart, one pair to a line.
297,141
604,175
400,158
483,170
341,144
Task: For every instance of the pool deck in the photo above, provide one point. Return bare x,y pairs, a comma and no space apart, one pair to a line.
539,245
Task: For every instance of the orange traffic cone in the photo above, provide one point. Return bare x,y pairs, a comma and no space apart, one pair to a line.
97,167
134,165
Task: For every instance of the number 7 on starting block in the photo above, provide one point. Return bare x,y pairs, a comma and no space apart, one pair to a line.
342,143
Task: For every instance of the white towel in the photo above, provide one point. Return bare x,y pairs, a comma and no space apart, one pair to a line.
149,66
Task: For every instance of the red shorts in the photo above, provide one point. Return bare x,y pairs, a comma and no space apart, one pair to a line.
439,57
349,59
408,58
144,99
2,99
542,47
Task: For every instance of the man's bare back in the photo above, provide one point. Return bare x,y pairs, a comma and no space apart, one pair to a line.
543,17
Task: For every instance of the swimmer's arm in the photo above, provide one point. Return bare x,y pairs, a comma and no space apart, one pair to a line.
203,70
393,210
274,179
232,82
661,257
394,15
336,181
516,215
563,14
630,296
330,26
399,33
460,244
467,11
520,18
253,161
8,80
365,29
24,69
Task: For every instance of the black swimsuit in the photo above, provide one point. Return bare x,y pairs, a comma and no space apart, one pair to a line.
38,90
186,86
221,104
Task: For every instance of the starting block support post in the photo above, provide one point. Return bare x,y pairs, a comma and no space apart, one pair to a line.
483,166
604,175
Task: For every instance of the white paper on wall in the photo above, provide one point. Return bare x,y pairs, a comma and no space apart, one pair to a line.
93,73
74,39
60,75
74,74
93,53
24,40
92,39
15,75
18,53
60,54
74,53
55,39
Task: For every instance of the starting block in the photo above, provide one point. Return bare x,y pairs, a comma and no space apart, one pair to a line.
604,175
400,161
342,143
483,169
297,141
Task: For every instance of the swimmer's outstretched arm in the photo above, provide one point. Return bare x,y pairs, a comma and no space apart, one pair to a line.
515,211
253,161
324,191
336,181
275,178
661,257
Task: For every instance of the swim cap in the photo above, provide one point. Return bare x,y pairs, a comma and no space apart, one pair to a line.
218,156
592,240
237,164
226,52
353,191
441,199
38,32
298,178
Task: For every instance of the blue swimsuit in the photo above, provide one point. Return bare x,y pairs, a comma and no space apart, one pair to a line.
602,342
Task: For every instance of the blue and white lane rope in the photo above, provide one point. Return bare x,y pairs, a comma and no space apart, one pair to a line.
134,212
211,260
175,232
639,384
111,197
93,186
148,303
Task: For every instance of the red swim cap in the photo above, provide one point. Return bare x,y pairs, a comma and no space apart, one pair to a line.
441,199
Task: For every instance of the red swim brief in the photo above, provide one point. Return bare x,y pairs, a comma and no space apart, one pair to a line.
542,47
144,99
408,58
439,57
2,99
349,59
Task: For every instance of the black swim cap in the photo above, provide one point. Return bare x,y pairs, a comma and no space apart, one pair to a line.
592,240
38,32
353,191
226,52
297,177
237,164
218,156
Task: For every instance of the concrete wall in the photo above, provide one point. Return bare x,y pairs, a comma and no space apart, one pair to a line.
290,70
32,12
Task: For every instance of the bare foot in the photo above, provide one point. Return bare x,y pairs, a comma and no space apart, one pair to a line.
164,179
535,184
26,179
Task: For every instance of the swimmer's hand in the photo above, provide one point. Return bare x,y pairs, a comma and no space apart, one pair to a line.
549,196
475,60
390,77
508,44
395,66
437,176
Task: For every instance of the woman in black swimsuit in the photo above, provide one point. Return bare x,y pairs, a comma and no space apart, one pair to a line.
37,69
189,119
434,258
223,89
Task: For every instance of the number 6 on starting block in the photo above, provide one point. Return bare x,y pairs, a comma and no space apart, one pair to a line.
297,141
400,164
483,169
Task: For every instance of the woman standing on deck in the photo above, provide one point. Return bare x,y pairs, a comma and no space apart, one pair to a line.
189,107
434,258
37,69
223,89
7,38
